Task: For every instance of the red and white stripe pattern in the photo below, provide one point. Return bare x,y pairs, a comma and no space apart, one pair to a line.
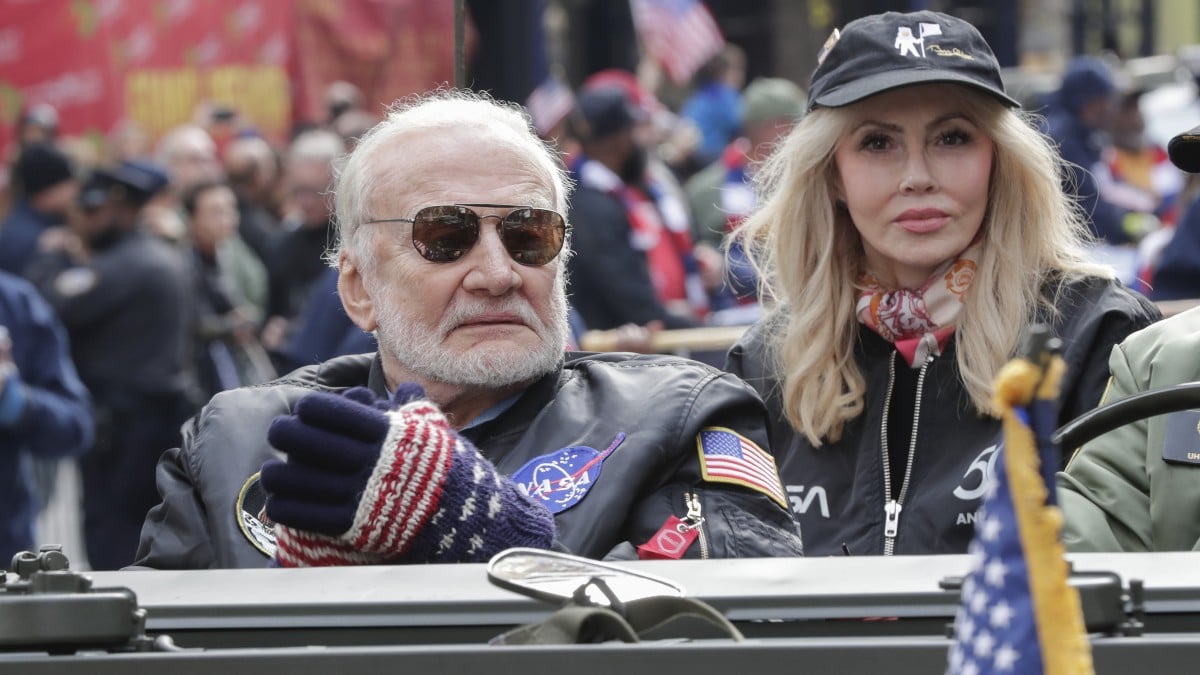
400,497
680,35
728,457
297,548
403,491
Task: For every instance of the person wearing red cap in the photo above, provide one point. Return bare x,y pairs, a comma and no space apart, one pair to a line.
911,226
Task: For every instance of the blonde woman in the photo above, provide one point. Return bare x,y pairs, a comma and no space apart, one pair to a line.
912,226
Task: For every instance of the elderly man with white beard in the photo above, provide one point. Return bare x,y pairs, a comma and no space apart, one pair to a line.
471,430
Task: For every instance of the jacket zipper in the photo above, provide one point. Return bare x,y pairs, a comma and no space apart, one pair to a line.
892,507
694,520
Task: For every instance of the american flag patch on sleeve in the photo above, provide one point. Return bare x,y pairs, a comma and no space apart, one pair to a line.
728,457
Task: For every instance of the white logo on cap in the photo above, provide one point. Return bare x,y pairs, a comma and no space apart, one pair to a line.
829,43
907,43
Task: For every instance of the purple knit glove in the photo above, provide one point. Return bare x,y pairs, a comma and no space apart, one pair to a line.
365,486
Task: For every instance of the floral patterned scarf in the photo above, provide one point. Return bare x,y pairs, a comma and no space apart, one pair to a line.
919,321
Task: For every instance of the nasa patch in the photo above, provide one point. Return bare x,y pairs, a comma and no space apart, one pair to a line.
252,520
562,478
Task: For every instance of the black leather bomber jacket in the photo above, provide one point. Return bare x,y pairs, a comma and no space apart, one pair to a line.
647,411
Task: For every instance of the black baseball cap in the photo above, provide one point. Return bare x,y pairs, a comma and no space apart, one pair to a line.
1184,150
135,181
41,166
887,51
607,110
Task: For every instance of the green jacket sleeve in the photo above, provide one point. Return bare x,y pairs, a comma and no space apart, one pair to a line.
1117,493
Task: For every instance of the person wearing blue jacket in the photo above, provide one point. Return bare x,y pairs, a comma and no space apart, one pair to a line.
45,183
1078,120
1177,275
45,411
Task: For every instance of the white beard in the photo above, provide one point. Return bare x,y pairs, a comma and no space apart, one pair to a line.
421,350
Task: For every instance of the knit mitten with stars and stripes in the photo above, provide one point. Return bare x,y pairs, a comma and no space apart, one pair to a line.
367,485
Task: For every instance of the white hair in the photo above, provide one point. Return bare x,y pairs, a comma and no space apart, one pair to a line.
467,112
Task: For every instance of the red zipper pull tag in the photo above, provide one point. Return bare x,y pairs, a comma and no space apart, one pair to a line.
670,542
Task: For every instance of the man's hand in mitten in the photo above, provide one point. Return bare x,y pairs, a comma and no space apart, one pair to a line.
363,485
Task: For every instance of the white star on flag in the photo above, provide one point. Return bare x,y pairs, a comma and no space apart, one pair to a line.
990,491
984,643
1006,657
1017,614
1001,615
966,631
993,574
975,551
979,601
992,527
956,657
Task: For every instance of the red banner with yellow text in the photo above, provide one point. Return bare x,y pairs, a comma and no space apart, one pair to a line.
155,62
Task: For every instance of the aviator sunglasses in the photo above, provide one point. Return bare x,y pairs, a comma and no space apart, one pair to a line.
443,234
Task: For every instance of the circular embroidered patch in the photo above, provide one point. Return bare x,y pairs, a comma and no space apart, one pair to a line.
251,515
562,478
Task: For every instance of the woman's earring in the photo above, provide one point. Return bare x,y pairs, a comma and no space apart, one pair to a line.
839,204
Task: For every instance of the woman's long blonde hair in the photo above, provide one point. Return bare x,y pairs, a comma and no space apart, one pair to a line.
808,256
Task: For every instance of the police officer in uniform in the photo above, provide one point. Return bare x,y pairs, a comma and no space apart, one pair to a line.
124,296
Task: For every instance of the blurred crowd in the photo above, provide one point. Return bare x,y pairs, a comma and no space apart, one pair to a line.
174,270
660,187
196,263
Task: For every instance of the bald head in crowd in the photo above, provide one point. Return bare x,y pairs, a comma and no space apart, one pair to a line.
309,175
251,165
190,156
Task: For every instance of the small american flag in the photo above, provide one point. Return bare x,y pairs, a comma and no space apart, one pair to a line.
1018,614
549,103
680,34
728,457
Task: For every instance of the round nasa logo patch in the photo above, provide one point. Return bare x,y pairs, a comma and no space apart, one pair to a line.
562,478
252,520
